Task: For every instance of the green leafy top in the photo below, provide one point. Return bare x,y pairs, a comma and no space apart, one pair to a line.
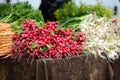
34,45
18,12
71,10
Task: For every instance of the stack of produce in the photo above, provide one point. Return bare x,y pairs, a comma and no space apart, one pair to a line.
70,14
102,36
46,42
14,14
5,40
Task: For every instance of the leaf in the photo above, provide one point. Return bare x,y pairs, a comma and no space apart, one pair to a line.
45,49
28,51
73,37
34,45
49,45
19,31
52,32
41,50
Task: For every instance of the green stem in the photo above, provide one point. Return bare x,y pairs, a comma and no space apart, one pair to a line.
74,19
6,19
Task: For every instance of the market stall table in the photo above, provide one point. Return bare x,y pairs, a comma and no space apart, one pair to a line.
75,68
116,69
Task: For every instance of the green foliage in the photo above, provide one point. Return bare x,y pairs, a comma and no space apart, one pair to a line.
18,12
99,10
70,10
34,45
28,51
83,9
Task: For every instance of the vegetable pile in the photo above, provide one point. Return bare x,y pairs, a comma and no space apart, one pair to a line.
102,36
18,12
53,41
46,42
69,15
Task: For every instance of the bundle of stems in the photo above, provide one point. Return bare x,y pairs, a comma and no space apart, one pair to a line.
5,40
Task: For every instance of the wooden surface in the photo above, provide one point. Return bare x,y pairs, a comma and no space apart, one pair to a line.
75,68
116,69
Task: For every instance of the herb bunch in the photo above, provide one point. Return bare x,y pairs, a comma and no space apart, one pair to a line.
69,15
18,12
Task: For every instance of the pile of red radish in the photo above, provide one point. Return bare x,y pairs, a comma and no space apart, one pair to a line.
46,42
